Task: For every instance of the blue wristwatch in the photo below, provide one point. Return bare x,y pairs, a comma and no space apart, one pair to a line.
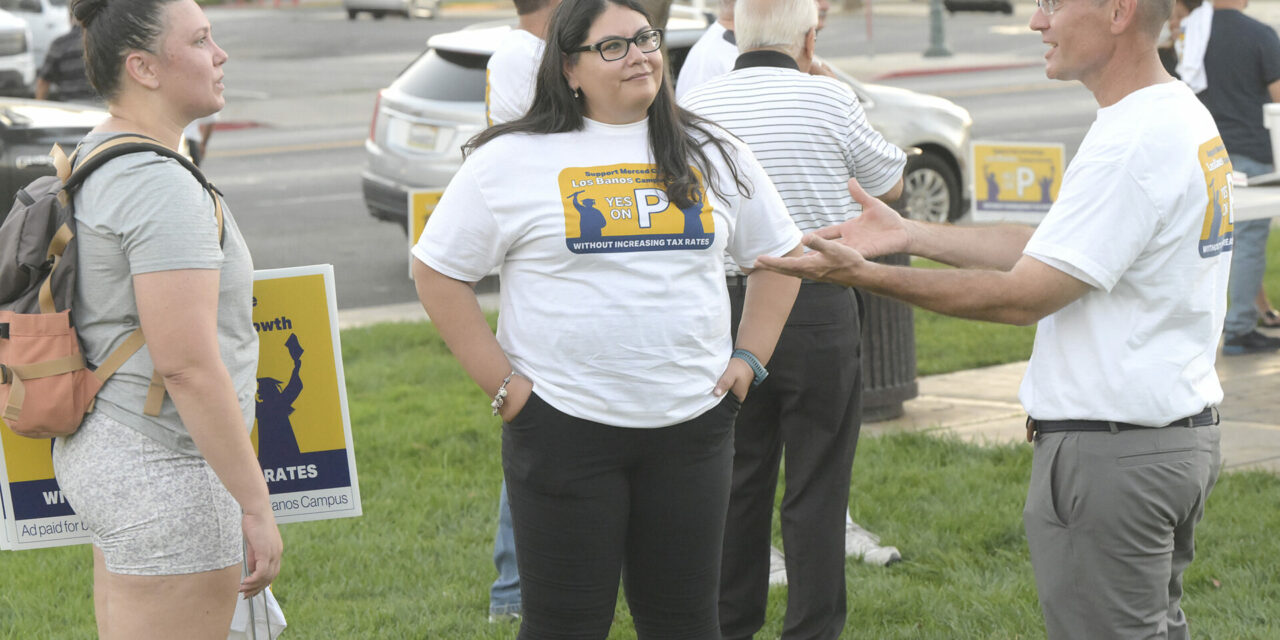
754,363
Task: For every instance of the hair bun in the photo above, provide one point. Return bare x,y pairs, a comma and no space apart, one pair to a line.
86,10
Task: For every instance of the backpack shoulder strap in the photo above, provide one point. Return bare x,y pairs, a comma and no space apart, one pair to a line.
127,143
115,147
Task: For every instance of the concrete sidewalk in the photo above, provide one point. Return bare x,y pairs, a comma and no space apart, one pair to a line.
981,405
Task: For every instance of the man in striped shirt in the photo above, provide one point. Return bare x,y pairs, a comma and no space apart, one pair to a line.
811,136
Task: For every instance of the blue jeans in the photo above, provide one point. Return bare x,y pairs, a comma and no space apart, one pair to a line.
504,595
1248,261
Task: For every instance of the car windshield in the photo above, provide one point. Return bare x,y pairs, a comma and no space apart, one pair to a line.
440,74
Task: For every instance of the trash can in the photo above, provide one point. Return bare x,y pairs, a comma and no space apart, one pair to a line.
888,353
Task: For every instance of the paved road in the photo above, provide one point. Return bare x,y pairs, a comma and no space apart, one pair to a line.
307,79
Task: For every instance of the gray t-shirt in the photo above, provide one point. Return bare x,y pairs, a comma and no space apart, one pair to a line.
143,213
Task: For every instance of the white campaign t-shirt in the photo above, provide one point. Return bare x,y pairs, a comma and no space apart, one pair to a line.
511,76
613,300
1144,217
710,57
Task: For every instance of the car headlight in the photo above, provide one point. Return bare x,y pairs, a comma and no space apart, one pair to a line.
12,43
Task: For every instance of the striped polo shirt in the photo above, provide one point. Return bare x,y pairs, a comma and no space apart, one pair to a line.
809,132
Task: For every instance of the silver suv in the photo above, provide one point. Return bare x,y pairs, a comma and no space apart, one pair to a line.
437,103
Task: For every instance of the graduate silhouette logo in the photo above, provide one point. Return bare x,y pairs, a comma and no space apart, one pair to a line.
274,404
285,465
622,208
1217,235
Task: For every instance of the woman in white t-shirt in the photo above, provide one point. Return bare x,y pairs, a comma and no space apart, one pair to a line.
608,211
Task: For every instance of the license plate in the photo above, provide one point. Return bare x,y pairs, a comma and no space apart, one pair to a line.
422,137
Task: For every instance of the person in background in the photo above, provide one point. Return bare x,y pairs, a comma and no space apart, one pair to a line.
1267,315
1242,68
613,368
510,78
712,55
711,59
1124,421
62,76
811,136
197,134
1172,37
169,499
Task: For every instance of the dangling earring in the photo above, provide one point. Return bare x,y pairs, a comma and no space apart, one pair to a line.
577,94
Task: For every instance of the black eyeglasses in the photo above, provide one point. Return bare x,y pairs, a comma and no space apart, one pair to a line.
611,49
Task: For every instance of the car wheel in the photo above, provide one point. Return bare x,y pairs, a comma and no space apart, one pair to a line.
352,14
930,190
378,15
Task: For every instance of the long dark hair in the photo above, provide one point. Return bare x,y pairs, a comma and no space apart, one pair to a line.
675,136
111,30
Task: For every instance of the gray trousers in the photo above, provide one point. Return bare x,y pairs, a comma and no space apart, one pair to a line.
1110,520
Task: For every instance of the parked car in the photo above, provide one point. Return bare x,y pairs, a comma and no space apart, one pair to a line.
380,8
47,20
437,104
17,65
1001,6
28,131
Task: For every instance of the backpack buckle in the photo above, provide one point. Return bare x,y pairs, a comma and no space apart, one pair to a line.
4,330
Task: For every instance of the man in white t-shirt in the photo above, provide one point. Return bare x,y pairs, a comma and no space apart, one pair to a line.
1127,277
712,55
510,78
512,72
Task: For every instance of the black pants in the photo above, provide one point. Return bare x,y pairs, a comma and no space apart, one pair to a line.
591,503
809,408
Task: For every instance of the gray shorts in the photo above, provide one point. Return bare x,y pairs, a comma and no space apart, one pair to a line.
152,511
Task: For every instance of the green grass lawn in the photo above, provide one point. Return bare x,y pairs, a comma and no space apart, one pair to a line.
417,564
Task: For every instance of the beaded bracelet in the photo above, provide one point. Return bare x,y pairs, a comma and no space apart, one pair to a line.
500,397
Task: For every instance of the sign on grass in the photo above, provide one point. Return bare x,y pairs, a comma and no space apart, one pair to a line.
302,430
1015,182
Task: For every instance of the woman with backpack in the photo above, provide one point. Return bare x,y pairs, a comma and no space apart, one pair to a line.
166,497
609,211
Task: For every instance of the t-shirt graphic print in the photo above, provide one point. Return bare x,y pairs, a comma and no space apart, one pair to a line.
623,208
1216,236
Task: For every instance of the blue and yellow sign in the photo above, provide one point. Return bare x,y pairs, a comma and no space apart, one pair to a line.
35,512
421,204
1015,181
302,430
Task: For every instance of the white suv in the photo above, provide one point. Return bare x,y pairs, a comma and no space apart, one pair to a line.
17,65
47,20
437,103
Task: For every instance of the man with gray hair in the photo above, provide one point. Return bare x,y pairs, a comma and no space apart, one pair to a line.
811,135
1126,277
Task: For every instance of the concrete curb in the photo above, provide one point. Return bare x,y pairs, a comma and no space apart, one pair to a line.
933,71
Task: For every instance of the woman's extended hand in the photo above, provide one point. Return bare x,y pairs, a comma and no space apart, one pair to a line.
262,554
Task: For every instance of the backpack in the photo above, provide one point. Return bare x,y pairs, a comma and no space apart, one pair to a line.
46,387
